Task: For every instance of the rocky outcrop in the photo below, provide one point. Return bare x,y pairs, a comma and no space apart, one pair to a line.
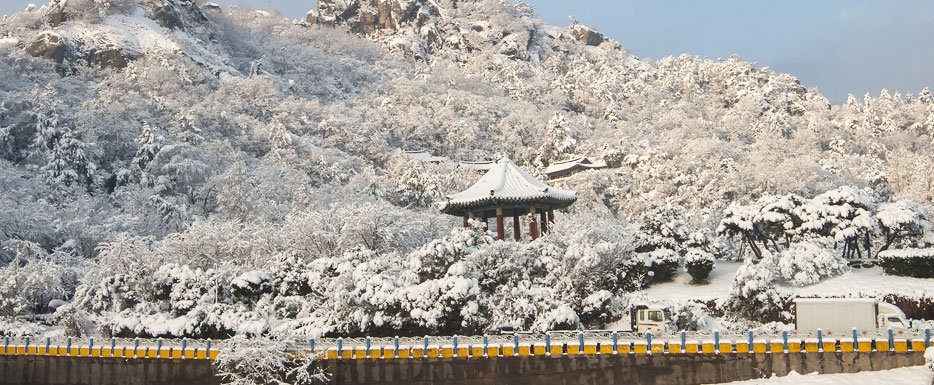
111,57
212,7
49,45
54,47
55,13
586,35
367,16
177,14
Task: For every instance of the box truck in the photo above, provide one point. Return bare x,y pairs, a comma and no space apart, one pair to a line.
847,313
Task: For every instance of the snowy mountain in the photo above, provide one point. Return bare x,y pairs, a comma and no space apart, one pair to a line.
182,169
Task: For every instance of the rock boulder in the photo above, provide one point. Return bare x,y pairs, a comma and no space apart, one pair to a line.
586,35
367,16
49,45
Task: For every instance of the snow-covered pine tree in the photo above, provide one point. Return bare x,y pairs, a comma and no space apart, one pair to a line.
69,161
558,142
901,222
58,149
149,145
236,198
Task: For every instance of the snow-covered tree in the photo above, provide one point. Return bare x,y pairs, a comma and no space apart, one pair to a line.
699,263
58,149
901,222
847,214
31,280
558,140
149,145
69,161
236,198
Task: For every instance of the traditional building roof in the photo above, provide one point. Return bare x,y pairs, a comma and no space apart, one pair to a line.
570,166
505,185
480,165
424,156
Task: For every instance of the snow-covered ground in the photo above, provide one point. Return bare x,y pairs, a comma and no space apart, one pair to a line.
915,375
681,289
869,282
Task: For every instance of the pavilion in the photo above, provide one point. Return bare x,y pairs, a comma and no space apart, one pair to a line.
507,190
559,172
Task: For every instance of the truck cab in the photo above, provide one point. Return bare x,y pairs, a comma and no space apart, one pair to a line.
655,319
891,317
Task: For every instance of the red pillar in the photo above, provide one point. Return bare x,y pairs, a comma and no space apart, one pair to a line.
551,216
466,224
500,230
533,227
516,232
544,216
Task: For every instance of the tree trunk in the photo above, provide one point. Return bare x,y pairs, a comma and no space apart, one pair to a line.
752,245
889,239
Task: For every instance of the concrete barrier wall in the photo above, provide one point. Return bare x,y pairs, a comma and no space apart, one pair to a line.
629,369
58,370
669,369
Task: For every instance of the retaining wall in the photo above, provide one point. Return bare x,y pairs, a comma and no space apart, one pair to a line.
673,369
648,369
62,370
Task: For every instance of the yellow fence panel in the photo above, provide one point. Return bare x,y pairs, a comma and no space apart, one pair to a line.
882,345
691,347
640,348
758,347
901,345
623,348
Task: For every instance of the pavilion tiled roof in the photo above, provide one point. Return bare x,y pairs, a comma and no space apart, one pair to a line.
505,184
566,165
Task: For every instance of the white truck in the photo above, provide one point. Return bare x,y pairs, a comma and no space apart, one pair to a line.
846,314
651,318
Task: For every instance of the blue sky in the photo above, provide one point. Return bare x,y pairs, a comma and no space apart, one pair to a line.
839,46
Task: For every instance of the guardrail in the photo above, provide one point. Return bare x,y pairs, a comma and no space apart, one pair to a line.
554,343
110,347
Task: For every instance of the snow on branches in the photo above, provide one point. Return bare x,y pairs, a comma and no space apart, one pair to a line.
846,217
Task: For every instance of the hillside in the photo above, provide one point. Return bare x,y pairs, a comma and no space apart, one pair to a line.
174,168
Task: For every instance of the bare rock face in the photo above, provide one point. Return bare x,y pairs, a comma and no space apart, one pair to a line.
55,13
213,7
49,45
52,46
586,35
111,57
176,14
367,16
